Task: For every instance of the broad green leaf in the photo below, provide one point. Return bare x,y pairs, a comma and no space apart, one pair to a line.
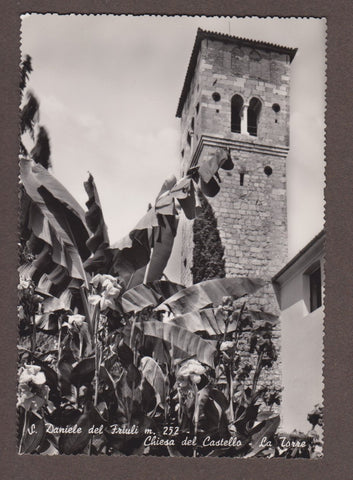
182,343
41,150
133,376
63,302
136,277
212,416
34,176
138,298
165,288
107,378
211,188
126,355
148,295
210,164
201,398
98,242
48,447
51,377
162,248
267,429
207,320
32,440
220,398
124,392
71,443
210,292
64,371
127,261
211,320
55,217
164,202
148,221
47,322
94,218
86,339
148,397
83,372
156,230
153,373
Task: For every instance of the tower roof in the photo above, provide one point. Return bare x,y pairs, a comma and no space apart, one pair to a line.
205,34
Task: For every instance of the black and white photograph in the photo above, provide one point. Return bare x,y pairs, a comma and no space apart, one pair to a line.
171,236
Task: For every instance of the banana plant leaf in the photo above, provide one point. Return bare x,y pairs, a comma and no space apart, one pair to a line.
153,373
41,150
183,344
211,320
211,188
186,194
73,443
150,242
54,217
201,398
98,242
208,320
164,202
133,252
210,165
266,429
36,180
148,221
162,249
31,441
128,257
137,277
63,302
46,322
148,295
184,191
210,292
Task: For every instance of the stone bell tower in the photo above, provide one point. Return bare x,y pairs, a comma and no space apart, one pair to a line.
236,96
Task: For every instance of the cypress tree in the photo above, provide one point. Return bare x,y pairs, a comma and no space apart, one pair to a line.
208,253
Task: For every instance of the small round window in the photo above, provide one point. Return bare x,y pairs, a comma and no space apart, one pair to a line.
276,108
216,96
268,170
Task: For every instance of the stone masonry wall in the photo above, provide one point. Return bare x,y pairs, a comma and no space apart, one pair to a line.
252,218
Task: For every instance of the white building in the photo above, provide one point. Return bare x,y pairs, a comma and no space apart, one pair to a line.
299,288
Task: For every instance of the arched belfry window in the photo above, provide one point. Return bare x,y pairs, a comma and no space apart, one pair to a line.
253,115
236,107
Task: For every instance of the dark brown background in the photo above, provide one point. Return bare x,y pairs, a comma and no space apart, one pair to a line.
336,463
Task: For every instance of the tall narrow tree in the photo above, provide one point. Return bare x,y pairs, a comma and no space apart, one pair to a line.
29,122
208,256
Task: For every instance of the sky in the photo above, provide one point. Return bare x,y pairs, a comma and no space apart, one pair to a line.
109,86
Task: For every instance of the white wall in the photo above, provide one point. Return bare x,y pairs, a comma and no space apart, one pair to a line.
302,355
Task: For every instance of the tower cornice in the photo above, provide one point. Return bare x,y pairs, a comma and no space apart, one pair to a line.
205,34
237,145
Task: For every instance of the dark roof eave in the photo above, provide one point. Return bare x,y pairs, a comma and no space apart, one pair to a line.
297,256
202,34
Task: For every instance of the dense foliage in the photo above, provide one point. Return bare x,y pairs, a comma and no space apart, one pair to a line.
126,378
208,254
